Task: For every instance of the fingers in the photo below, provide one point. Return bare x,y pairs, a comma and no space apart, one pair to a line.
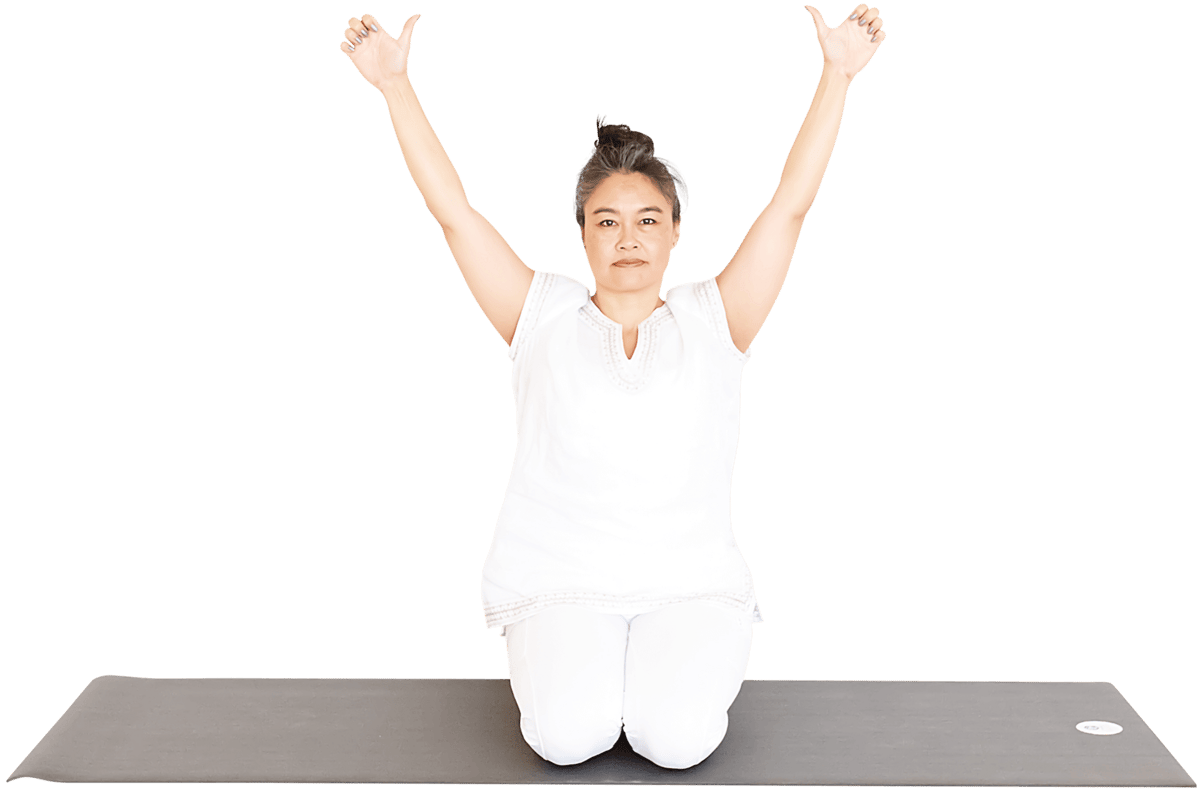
869,17
358,32
863,15
373,23
874,24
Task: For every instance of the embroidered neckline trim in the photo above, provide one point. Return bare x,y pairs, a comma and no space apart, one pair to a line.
627,373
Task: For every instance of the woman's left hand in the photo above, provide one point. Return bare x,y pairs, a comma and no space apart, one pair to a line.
849,46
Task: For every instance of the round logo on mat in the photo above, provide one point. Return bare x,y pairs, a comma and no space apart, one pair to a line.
1099,727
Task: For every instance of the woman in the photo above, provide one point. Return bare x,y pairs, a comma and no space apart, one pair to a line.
613,571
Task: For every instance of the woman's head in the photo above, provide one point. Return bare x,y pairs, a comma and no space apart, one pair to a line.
619,149
627,207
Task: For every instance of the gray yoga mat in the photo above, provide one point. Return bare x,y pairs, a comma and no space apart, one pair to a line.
235,730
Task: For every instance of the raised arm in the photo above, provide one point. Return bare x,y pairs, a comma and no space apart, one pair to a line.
751,282
846,49
383,61
427,161
498,280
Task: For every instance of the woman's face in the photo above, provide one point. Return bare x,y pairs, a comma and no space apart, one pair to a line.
628,217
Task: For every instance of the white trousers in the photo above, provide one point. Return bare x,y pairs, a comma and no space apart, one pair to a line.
668,676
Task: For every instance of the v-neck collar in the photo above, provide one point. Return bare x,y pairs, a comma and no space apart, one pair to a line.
629,373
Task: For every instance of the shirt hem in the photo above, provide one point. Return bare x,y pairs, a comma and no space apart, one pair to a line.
504,615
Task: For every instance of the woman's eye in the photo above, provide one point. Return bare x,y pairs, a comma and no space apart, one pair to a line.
651,219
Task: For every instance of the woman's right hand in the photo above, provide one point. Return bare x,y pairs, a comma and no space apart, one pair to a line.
379,57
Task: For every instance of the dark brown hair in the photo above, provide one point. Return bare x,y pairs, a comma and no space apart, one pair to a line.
619,149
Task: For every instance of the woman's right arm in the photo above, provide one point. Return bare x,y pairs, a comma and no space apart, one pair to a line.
383,63
427,161
497,278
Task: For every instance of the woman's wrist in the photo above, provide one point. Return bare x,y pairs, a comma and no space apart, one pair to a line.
392,86
834,73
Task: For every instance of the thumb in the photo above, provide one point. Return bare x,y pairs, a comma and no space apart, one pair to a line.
822,28
406,35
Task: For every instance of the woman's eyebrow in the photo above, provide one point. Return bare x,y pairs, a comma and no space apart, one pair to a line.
614,211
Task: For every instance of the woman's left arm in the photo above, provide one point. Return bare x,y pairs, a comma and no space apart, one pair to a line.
751,282
846,49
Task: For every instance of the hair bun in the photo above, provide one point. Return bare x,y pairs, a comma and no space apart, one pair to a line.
618,135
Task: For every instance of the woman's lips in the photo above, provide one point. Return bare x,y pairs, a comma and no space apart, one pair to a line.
630,263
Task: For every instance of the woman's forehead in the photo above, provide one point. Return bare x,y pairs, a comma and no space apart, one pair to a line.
626,181
627,187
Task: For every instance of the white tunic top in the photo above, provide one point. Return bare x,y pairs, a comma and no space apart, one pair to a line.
619,494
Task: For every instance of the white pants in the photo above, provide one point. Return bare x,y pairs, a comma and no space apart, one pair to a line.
669,676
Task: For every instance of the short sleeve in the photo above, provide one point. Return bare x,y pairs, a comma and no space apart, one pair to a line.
549,295
704,299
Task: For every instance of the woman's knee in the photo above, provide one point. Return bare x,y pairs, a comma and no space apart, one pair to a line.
677,743
684,668
572,737
567,667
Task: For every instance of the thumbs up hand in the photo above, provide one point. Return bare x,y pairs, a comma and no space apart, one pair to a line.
379,57
851,44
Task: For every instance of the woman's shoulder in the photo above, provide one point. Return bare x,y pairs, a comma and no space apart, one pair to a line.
559,291
549,295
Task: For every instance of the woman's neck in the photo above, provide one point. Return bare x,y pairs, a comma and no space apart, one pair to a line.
627,313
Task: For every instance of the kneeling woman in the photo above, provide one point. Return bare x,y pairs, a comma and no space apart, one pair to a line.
613,571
